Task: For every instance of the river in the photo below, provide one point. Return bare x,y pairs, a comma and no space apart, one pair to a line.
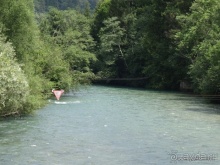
101,125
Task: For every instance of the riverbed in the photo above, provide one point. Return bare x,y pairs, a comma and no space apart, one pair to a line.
101,125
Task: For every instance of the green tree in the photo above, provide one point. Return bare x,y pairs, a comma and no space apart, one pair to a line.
70,32
198,41
14,88
111,41
154,48
101,13
20,28
87,9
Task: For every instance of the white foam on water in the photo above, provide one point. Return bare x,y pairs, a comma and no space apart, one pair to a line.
65,102
59,102
76,102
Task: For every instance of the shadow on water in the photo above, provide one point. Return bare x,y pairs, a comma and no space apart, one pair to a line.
209,106
196,103
208,109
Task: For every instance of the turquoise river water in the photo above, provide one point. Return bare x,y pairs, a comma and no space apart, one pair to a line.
115,126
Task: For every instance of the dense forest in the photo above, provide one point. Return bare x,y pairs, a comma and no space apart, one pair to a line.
166,42
46,44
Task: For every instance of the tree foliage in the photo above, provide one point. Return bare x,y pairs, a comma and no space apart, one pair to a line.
166,42
55,53
69,31
147,44
14,88
19,27
198,41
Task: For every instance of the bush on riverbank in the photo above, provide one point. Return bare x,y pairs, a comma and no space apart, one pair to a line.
14,88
